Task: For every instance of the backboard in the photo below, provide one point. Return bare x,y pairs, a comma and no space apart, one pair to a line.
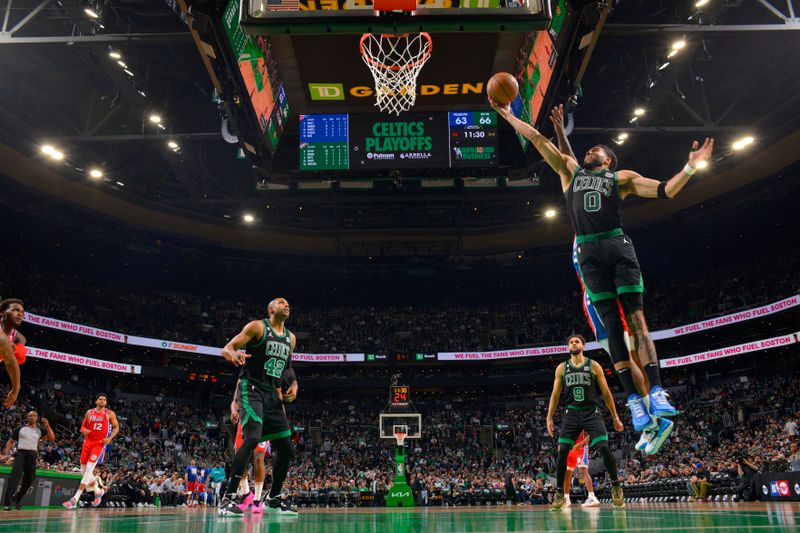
269,17
388,422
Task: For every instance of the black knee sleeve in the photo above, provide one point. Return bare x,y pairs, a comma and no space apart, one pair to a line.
609,314
609,460
561,465
631,301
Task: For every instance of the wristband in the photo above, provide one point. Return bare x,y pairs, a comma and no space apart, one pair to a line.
689,169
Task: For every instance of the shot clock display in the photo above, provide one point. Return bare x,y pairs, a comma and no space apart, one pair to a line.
399,395
370,141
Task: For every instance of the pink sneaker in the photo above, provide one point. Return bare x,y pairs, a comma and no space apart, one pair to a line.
98,498
247,501
258,507
72,503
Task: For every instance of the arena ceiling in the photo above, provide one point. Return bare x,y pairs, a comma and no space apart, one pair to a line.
736,76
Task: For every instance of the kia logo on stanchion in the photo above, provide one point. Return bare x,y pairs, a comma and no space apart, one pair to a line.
764,489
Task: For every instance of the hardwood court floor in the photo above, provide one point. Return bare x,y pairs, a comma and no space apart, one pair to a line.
684,518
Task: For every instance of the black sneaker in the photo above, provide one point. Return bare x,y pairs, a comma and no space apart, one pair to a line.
228,507
278,504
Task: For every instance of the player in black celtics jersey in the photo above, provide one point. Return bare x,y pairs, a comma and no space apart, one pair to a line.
594,192
583,379
268,346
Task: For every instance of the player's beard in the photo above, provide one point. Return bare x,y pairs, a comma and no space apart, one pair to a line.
575,351
593,163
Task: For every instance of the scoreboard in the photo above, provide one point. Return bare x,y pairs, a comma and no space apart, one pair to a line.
371,141
473,138
324,142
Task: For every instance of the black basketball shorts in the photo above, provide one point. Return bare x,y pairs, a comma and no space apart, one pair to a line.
609,267
263,407
577,420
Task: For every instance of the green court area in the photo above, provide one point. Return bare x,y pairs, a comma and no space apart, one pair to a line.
635,517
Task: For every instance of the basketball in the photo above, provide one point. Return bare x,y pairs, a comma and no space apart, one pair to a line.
502,88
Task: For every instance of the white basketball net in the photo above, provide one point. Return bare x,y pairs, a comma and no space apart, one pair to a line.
395,62
401,437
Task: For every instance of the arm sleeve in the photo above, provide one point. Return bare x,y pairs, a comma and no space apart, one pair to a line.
288,377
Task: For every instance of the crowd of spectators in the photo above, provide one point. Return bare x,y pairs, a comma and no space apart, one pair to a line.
428,327
473,448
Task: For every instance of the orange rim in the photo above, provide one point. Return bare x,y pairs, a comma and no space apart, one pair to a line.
395,68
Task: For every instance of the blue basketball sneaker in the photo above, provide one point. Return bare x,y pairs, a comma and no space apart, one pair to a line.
664,430
659,405
641,418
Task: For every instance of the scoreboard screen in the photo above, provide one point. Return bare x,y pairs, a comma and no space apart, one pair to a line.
473,138
324,142
370,141
399,395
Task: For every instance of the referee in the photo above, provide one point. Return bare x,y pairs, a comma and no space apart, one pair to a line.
27,439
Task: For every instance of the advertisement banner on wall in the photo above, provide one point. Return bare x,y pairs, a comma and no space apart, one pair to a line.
49,489
80,360
730,351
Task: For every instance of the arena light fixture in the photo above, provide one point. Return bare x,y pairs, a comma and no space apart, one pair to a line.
52,152
173,145
652,84
249,218
679,44
96,173
663,65
128,72
639,111
122,64
634,119
47,149
144,94
701,165
550,213
120,184
700,3
619,141
155,119
91,12
622,136
742,143
114,54
671,54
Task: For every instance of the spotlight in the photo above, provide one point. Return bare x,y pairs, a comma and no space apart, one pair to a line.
173,145
619,141
622,136
96,173
47,149
664,65
550,213
114,55
634,119
155,119
128,72
700,3
52,152
652,84
91,12
639,111
743,143
120,184
671,54
249,218
122,64
144,94
702,164
679,44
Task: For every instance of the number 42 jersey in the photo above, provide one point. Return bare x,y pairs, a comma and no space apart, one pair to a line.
270,357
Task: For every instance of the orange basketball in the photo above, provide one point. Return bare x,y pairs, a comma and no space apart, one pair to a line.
502,88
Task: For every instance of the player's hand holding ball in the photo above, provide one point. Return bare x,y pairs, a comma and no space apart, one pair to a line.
501,89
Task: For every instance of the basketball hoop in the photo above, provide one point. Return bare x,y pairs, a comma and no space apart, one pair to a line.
395,61
400,436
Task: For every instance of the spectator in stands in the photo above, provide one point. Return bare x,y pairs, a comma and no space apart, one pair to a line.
794,457
746,469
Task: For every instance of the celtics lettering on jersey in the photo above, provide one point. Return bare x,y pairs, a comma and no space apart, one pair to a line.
581,385
593,201
270,357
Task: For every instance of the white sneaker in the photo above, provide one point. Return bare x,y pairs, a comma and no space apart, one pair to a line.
644,440
591,501
567,502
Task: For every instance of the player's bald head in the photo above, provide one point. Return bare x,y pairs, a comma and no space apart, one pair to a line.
272,307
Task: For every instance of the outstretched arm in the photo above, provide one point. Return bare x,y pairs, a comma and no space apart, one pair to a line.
631,182
12,367
564,165
557,118
551,408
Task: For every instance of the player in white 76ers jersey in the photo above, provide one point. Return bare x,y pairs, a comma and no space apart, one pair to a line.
99,428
